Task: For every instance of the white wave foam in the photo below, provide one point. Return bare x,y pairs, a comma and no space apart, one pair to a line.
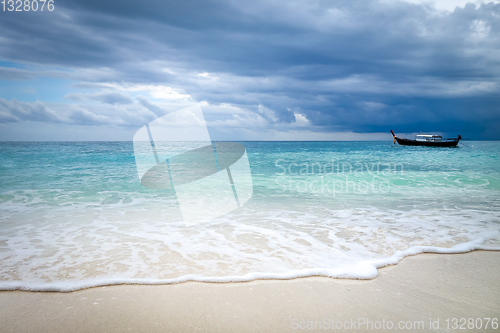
70,247
362,271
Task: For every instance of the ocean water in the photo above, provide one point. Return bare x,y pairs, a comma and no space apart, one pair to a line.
75,215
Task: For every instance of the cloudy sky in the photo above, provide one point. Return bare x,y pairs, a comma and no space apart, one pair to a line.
261,69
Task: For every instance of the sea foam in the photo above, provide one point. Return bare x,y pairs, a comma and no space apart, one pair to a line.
64,250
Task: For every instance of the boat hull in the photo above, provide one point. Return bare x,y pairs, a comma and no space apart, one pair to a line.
408,142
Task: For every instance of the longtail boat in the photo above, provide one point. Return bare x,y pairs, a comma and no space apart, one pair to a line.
427,140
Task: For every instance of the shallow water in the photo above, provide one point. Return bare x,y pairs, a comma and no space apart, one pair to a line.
74,214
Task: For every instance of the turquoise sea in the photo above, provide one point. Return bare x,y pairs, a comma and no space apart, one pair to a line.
75,215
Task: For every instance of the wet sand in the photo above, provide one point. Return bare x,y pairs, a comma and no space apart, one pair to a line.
419,290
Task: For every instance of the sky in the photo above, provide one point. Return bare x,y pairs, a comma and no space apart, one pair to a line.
260,69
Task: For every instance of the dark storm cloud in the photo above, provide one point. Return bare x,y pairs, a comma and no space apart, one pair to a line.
346,65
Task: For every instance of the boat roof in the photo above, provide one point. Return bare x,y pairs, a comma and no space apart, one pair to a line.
429,136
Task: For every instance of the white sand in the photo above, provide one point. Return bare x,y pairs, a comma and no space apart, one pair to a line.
421,287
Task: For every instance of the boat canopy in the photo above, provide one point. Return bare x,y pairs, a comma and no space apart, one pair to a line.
428,137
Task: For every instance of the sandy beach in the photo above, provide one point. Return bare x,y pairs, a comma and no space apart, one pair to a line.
420,290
